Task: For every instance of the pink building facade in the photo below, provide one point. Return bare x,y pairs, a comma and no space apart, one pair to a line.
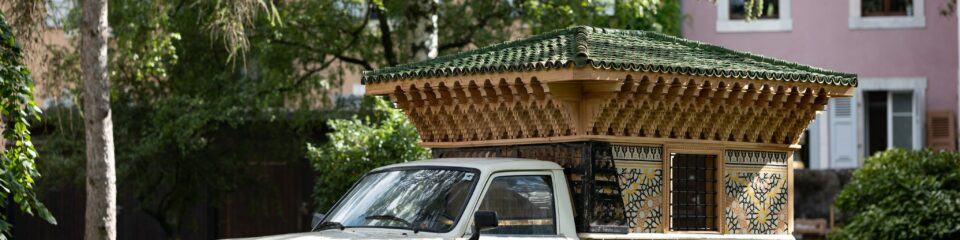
904,51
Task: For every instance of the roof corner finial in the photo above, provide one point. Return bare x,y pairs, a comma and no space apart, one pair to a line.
581,29
582,39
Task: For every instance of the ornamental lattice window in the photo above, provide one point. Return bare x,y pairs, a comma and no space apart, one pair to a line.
693,192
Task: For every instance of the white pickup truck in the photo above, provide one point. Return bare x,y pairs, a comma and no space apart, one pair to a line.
451,199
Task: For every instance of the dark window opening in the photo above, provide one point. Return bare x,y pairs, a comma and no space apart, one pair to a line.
771,9
889,122
886,8
693,205
876,122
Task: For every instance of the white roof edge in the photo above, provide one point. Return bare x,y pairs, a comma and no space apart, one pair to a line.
482,164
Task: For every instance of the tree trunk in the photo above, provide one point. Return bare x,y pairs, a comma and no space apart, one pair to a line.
101,210
421,21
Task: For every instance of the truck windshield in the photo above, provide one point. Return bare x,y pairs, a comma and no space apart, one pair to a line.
429,200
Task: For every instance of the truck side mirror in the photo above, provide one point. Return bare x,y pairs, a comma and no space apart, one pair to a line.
483,220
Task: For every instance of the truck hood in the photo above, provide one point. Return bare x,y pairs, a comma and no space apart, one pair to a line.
353,233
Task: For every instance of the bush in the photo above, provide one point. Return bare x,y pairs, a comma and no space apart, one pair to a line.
903,194
382,136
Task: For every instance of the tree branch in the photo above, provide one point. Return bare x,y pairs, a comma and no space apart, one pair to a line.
300,80
363,63
366,65
468,38
386,40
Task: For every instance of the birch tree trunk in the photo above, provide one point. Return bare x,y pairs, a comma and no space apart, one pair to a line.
421,19
101,209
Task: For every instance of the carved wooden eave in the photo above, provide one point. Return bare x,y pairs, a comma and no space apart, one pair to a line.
575,94
588,104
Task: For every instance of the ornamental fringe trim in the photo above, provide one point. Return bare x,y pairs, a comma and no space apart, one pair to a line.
637,153
756,158
650,106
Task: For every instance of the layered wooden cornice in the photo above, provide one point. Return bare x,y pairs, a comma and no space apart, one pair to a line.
584,103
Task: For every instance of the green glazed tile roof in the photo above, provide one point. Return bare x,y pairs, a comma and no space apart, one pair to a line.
611,49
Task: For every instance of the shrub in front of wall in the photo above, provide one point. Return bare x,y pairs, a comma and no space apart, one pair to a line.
903,194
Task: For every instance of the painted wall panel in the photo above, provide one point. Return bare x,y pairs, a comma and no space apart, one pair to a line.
641,184
756,192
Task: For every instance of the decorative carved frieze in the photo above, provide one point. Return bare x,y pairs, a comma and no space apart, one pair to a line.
637,153
740,157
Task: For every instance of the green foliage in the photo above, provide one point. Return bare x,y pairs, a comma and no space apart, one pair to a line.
61,139
18,172
903,194
320,42
384,136
176,95
652,15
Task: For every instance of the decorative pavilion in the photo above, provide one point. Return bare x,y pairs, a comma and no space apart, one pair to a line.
659,135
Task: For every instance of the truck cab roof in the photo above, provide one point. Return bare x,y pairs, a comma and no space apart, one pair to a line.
482,164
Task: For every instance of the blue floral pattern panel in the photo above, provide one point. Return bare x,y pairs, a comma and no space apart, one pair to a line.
756,192
641,182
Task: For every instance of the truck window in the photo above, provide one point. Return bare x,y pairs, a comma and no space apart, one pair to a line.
429,200
524,205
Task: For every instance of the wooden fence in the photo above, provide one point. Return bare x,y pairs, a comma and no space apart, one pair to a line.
288,211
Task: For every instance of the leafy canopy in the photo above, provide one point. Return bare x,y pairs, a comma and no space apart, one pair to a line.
320,43
182,71
180,76
903,194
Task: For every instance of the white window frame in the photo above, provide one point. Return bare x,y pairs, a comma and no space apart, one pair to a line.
725,25
916,85
858,21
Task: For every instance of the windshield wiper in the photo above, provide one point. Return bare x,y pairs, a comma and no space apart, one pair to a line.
410,226
329,225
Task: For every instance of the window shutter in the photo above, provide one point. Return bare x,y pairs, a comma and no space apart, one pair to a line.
941,131
843,133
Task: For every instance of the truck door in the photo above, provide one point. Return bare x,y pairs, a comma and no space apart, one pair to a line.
525,203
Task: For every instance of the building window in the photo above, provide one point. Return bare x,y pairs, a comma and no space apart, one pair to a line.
774,17
771,9
524,205
871,14
886,8
693,195
889,121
